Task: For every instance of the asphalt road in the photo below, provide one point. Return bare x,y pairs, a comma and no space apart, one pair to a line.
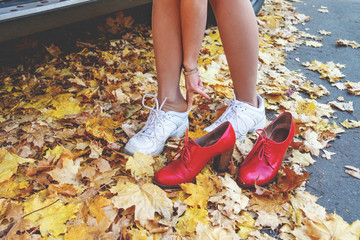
338,191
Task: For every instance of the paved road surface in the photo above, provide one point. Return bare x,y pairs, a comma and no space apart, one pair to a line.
339,192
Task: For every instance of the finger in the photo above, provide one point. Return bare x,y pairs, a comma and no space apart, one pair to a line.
189,99
202,93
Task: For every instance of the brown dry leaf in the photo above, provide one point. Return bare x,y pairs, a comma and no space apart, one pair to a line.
54,50
329,70
213,233
334,227
343,106
273,203
267,220
327,154
353,171
311,143
353,87
102,128
343,42
230,199
289,180
68,174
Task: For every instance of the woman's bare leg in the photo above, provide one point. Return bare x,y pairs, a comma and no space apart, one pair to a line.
166,30
239,34
193,22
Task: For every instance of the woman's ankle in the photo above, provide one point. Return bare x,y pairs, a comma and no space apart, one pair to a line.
176,106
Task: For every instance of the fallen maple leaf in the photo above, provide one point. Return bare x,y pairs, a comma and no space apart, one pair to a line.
188,222
230,199
68,173
201,191
85,232
343,42
9,164
147,200
206,232
334,227
140,165
50,214
289,180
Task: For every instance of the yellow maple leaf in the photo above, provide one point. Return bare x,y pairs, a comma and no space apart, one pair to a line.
188,222
13,188
64,104
307,108
140,165
246,225
147,200
201,191
350,124
96,205
102,128
9,163
52,216
199,132
54,153
85,232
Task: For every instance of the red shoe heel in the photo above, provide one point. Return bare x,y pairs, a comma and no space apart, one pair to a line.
222,161
195,154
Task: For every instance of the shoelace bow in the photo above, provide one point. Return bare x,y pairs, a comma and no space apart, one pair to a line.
154,115
183,152
233,108
263,153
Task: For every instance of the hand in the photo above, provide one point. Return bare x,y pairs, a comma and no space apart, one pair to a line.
193,84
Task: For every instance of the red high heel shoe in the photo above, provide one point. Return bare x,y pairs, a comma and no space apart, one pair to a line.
195,154
263,162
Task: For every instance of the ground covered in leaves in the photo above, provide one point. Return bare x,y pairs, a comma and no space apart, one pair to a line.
66,113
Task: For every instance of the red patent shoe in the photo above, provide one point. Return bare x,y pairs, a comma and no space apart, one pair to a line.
195,154
262,164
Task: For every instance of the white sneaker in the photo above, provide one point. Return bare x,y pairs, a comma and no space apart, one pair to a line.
243,117
159,127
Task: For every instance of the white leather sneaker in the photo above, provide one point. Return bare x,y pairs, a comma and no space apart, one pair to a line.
243,117
159,127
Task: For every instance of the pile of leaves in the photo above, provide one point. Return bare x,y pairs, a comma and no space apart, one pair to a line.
65,119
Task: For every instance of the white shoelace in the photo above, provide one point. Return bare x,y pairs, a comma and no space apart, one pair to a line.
154,118
232,107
